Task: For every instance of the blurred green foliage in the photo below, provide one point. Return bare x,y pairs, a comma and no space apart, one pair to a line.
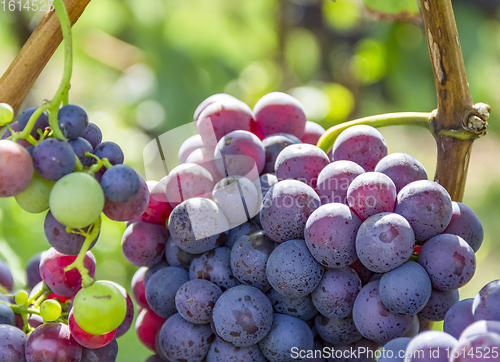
141,68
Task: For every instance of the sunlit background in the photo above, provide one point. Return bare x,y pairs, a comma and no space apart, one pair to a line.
141,68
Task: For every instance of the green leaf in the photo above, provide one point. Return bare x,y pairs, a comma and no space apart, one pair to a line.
393,9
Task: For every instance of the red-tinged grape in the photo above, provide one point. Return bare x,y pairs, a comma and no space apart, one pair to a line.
139,289
35,199
292,270
196,299
33,270
465,223
158,209
64,283
459,317
361,144
487,301
16,168
108,353
225,116
279,113
34,320
130,210
6,278
402,169
433,346
371,193
337,330
300,307
449,261
188,146
215,266
273,145
93,135
147,326
221,351
427,206
212,99
99,308
88,340
175,256
334,181
301,162
162,288
204,157
143,244
439,304
12,344
52,342
330,235
312,133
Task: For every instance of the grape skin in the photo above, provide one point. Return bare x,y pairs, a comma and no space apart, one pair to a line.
221,351
139,289
86,339
6,278
80,146
214,266
301,307
337,330
480,327
273,145
120,183
208,101
175,256
459,317
143,244
427,343
465,223
235,233
486,302
129,316
397,347
73,121
334,181
370,347
189,145
107,353
439,303
93,134
130,210
477,348
402,169
32,270
16,169
41,123
158,209
52,342
195,300
111,151
35,198
7,315
204,157
12,343
53,158
312,133
147,326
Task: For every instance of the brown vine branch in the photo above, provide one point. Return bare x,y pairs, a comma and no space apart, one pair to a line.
19,78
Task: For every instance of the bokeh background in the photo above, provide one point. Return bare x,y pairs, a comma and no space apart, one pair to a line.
141,68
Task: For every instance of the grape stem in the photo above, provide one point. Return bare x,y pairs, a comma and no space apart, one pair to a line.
100,163
383,120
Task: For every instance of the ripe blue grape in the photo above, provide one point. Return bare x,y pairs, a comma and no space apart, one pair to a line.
330,235
73,121
215,266
120,183
153,269
196,299
221,351
363,350
6,278
292,270
41,122
52,342
363,272
111,151
300,307
175,256
465,223
7,315
394,351
273,145
402,169
486,302
235,233
108,353
312,133
334,181
80,146
459,317
93,134
12,343
430,346
33,270
143,244
337,330
16,168
439,304
130,210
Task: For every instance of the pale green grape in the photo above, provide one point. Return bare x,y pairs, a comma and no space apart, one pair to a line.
50,310
21,297
76,200
35,198
6,114
100,308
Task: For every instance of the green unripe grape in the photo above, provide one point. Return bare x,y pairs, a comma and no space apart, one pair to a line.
76,200
100,308
35,198
21,297
50,310
6,114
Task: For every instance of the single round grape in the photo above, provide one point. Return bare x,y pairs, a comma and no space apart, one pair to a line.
184,341
86,339
273,145
93,134
330,235
221,351
139,288
52,342
162,288
459,317
384,242
143,244
73,121
286,208
35,198
312,133
402,169
439,304
406,289
361,144
175,256
204,157
76,200
486,302
21,297
394,351
80,146
32,270
286,335
41,123
50,310
301,162
189,145
12,343
130,210
279,113
147,326
449,261
111,151
215,266
6,278
292,270
337,330
129,316
334,181
240,153
208,101
16,168
235,233
53,158
430,346
249,257
373,320
465,223
158,209
152,270
198,225
7,315
120,183
108,353
196,299
335,295
99,308
300,307
427,206
6,114
242,316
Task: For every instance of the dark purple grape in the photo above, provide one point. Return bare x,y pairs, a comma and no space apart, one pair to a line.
459,317
221,351
363,350
330,235
337,330
361,144
433,346
6,278
41,123
300,307
335,295
480,327
238,231
449,261
12,344
481,348
487,301
73,121
64,242
439,304
196,299
363,272
406,289
152,270
301,162
120,183
384,242
287,335
312,133
53,158
161,289
286,208
108,353
402,169
93,134
7,315
394,351
184,341
214,266
52,342
242,316
130,210
373,320
175,256
143,244
427,207
273,145
33,270
465,223
334,181
80,146
111,151
154,358
249,257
